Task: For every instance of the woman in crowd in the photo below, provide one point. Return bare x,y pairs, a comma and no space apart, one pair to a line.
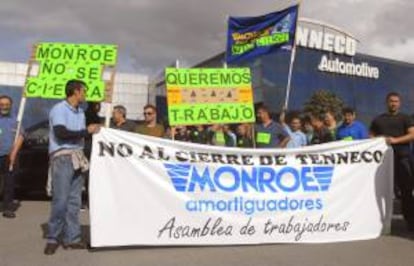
244,136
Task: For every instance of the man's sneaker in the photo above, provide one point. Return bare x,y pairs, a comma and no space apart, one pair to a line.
84,207
50,248
77,245
9,214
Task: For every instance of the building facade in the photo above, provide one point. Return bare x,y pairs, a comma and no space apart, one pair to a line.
130,90
326,59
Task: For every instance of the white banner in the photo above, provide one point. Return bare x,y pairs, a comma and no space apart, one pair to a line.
150,191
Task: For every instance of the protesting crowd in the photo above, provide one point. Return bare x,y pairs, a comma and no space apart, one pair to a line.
292,130
228,155
70,131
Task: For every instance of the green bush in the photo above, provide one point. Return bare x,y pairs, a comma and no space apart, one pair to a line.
323,101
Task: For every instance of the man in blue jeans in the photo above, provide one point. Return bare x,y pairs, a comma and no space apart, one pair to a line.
8,152
67,163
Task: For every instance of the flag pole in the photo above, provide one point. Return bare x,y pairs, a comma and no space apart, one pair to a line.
173,128
109,92
227,39
292,61
22,105
109,85
288,87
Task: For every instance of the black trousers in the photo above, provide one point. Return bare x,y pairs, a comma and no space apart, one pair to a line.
404,182
8,189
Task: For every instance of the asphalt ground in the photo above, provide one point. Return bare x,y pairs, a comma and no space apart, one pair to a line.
22,242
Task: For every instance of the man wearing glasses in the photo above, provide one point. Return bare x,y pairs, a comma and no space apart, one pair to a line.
150,127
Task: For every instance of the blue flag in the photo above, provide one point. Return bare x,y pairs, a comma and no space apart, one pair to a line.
248,37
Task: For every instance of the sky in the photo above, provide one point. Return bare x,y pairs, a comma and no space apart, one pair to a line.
154,33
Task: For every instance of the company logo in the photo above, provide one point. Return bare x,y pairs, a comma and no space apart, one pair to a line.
263,179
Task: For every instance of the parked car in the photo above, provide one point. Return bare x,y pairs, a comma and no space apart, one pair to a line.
32,165
31,169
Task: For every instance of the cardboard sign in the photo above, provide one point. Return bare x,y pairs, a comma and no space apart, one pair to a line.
60,62
209,96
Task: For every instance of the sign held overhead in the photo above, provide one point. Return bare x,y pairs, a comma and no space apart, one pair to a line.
209,96
60,62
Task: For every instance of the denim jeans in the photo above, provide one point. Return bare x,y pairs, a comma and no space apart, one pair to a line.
8,189
404,181
66,201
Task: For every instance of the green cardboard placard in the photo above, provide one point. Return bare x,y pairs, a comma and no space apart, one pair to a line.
207,114
105,54
208,77
60,62
209,109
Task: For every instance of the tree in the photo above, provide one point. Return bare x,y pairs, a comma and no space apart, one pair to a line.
323,101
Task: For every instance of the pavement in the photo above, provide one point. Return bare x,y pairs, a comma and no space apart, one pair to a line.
22,242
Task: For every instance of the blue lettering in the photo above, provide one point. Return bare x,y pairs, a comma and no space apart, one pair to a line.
266,182
187,178
233,178
248,179
292,175
191,205
200,180
306,179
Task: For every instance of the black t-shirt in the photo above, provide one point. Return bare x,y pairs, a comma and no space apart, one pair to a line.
199,136
244,142
392,126
323,135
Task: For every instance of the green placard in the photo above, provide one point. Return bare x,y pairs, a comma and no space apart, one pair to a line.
208,77
60,62
263,138
209,96
220,139
105,54
200,114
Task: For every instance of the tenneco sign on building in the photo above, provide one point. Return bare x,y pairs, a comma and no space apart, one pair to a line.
327,59
334,41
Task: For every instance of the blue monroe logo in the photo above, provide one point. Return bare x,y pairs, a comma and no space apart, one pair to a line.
188,178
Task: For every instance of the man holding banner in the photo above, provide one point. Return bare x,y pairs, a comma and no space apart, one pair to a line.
67,163
398,128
